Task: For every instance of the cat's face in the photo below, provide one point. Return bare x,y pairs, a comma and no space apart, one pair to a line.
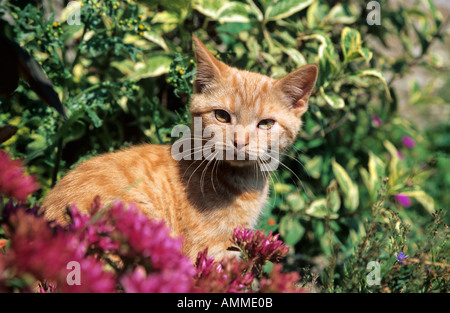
247,117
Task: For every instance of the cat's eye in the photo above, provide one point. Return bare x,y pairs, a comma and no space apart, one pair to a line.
222,116
266,124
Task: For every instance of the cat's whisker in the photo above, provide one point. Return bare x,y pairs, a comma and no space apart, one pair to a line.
267,174
296,160
216,162
192,163
204,172
203,161
308,192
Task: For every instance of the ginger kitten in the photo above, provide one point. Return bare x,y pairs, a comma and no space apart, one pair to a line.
203,199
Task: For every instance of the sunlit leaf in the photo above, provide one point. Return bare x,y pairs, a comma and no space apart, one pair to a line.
332,99
348,187
277,10
291,230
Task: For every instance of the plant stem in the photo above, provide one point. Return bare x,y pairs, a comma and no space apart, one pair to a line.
57,161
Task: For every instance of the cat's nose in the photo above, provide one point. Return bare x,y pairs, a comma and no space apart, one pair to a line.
240,141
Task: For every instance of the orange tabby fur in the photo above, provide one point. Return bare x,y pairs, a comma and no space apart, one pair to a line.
202,201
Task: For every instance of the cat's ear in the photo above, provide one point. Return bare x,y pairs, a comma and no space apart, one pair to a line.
297,86
209,69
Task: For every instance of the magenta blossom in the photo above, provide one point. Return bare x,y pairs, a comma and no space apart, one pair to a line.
258,247
13,181
376,121
408,142
404,200
165,281
93,278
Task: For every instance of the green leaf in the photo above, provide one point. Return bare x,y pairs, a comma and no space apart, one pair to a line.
376,74
291,230
343,13
224,11
156,38
280,9
295,56
393,165
256,10
333,198
351,45
350,41
332,99
296,202
425,200
319,208
282,188
96,120
349,189
234,12
316,13
437,15
154,66
314,166
326,56
372,179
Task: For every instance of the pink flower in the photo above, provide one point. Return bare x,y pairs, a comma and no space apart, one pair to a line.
166,268
404,200
165,281
408,142
36,250
93,278
277,281
204,264
376,121
258,247
13,182
95,234
148,238
229,275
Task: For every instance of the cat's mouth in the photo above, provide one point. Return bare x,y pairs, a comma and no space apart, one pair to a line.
243,157
264,158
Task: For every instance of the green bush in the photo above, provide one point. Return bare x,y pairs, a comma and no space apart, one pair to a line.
362,183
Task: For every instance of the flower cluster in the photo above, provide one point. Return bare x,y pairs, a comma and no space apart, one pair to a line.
258,248
13,181
246,274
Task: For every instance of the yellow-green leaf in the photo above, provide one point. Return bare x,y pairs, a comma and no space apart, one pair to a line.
333,198
393,165
425,200
350,44
319,208
349,189
291,230
280,9
296,202
224,11
378,75
376,173
313,167
154,66
332,99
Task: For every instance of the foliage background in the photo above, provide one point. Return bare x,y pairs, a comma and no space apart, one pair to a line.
124,76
